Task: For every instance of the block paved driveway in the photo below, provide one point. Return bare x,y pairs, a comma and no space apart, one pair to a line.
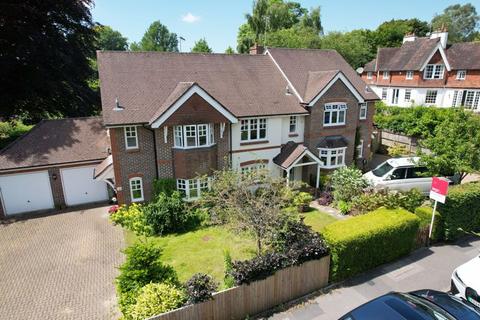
60,266
427,268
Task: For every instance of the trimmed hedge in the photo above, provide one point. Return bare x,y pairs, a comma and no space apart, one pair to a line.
425,215
461,211
364,242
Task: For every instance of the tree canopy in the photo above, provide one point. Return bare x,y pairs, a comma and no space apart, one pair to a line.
109,39
157,38
201,46
460,21
46,49
229,50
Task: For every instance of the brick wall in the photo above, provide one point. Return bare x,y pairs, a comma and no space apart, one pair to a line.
2,214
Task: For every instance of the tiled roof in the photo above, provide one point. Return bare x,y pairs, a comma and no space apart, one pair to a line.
103,166
317,80
297,64
60,141
332,142
370,66
464,56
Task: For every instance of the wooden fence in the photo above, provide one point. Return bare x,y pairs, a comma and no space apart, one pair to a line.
259,296
388,138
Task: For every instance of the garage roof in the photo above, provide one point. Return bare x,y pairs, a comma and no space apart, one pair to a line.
60,141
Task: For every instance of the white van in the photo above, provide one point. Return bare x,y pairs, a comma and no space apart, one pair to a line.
400,174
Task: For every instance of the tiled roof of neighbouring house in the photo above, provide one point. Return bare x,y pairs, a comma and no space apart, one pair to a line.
59,141
289,153
464,56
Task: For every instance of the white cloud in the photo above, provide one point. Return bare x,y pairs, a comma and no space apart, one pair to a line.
190,18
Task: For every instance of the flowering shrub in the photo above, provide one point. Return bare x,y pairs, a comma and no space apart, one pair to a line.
132,218
347,182
113,209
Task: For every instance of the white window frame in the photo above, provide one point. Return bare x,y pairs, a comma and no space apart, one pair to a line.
363,111
409,75
193,130
386,75
427,97
369,75
253,167
136,180
130,132
195,186
328,154
433,71
293,123
405,99
461,74
335,108
360,149
384,93
253,125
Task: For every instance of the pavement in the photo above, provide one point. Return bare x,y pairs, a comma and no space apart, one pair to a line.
60,266
425,268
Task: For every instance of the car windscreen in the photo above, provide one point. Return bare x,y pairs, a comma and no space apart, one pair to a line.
382,169
453,305
422,307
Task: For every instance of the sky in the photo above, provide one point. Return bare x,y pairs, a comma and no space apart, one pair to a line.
218,20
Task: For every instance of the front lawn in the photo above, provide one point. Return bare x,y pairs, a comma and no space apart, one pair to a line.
201,250
318,220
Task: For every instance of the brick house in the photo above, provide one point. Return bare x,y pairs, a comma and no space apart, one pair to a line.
179,115
427,71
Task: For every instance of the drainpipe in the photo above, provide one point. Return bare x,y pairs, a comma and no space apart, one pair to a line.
154,149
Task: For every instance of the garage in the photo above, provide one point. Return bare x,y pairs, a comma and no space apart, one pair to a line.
79,187
26,192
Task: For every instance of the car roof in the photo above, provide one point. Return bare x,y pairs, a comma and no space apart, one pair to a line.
460,309
403,162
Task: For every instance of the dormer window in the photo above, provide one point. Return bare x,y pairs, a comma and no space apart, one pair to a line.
409,75
461,74
194,136
433,71
386,74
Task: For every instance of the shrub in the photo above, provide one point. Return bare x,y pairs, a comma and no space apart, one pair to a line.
228,280
364,242
347,182
156,298
167,214
132,217
344,207
141,267
302,201
325,198
372,200
200,287
397,150
425,215
461,211
11,130
258,268
166,185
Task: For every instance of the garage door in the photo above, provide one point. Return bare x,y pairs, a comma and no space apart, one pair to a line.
26,192
79,186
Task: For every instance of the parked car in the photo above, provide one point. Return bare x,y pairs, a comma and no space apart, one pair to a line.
417,305
465,281
400,174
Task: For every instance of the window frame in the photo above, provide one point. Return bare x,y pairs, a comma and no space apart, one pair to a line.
369,75
426,96
384,94
386,75
461,75
185,186
180,138
257,166
335,107
133,129
409,95
253,125
135,180
329,154
409,75
363,108
436,69
293,121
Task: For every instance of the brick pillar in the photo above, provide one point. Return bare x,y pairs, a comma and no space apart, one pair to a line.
57,188
2,214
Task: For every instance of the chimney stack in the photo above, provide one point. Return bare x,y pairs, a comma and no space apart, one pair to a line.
409,37
441,33
257,49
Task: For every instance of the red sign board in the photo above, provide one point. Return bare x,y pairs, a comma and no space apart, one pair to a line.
439,189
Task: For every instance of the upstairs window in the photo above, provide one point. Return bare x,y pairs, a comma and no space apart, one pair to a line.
332,158
433,71
194,136
369,75
461,74
293,124
384,93
363,111
386,74
136,189
431,97
335,114
253,129
409,75
131,137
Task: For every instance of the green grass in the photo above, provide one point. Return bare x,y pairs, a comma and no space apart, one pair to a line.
10,131
201,250
318,220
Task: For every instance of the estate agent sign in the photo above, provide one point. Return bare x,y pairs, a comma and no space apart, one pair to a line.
438,192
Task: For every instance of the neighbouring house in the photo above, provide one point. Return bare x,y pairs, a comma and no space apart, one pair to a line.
181,115
427,71
52,166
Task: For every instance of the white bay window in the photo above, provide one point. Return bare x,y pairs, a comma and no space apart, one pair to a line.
332,158
433,71
193,188
194,136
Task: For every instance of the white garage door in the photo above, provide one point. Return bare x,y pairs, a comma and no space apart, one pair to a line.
79,186
26,192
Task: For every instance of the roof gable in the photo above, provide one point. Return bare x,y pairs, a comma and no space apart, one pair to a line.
338,77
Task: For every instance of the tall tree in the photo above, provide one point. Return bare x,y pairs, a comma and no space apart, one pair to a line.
45,48
157,38
245,38
390,33
229,50
109,39
461,21
313,20
201,46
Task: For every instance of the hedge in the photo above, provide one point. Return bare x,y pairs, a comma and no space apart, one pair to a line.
425,215
461,211
366,241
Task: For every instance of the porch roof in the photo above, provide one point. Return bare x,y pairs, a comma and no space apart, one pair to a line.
291,153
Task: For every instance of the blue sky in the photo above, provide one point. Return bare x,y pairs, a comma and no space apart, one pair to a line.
218,20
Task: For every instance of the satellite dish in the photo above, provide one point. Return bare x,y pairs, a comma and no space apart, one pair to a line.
359,70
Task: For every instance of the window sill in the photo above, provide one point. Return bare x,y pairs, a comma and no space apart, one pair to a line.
194,148
248,143
137,200
333,167
362,119
335,125
291,135
132,150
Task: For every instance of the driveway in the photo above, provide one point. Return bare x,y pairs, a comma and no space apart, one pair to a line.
60,266
426,268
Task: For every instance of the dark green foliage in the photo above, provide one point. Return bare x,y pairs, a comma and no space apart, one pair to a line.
369,201
164,185
363,242
46,48
461,22
109,39
425,215
391,33
157,38
461,211
141,267
11,130
201,46
167,214
258,268
200,287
